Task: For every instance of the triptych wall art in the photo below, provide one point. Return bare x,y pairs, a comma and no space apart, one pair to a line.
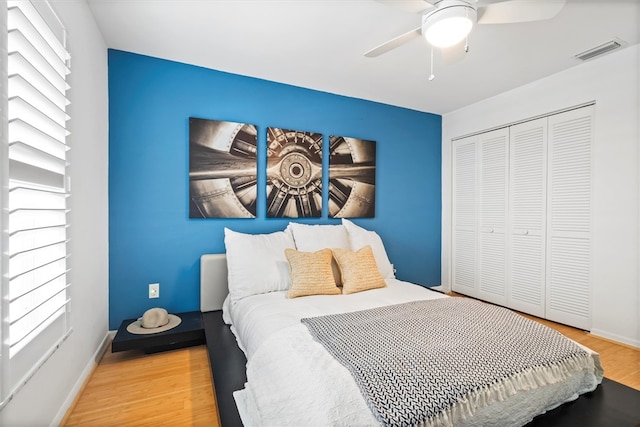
223,173
352,177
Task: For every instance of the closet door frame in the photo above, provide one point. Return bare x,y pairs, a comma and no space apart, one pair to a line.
493,219
527,215
464,223
569,287
539,259
480,229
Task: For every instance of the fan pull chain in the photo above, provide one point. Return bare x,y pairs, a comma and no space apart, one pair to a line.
466,39
432,76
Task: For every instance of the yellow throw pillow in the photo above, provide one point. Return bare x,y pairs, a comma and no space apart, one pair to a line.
358,269
311,273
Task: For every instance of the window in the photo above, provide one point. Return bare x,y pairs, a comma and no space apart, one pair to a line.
35,287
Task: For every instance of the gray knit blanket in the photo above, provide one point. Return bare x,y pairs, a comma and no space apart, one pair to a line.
413,362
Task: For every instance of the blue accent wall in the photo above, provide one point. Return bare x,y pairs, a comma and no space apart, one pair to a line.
151,237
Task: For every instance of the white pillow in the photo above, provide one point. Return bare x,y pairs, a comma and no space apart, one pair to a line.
257,263
359,237
312,238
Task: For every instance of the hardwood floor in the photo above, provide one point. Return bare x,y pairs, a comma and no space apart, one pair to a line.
174,388
132,388
621,363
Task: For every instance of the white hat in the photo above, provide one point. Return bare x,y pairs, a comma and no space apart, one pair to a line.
153,321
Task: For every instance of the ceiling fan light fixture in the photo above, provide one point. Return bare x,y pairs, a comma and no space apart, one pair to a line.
449,23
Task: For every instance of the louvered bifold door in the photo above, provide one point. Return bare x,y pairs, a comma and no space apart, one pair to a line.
527,212
464,251
568,293
493,175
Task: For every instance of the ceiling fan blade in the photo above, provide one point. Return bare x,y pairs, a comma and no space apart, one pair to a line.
393,43
519,11
411,6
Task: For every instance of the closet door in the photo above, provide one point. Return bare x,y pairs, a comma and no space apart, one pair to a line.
493,175
568,296
527,212
464,241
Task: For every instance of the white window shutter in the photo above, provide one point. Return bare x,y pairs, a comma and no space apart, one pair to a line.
35,292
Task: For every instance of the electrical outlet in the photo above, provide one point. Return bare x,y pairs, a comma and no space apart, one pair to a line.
154,290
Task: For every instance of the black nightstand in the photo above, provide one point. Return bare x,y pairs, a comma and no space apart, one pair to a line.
188,333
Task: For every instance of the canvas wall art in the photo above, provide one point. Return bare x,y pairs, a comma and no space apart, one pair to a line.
352,177
294,174
222,169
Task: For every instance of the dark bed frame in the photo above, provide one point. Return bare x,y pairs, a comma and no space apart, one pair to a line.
610,405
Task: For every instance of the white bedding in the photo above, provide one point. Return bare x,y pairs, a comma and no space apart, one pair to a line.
292,379
255,318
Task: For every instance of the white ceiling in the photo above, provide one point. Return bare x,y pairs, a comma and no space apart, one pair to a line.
319,44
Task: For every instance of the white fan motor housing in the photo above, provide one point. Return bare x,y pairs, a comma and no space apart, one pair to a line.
449,23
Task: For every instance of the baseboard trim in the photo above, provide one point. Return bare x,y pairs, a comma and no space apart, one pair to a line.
439,288
616,339
83,380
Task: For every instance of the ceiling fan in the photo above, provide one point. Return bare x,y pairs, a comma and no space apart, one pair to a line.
446,23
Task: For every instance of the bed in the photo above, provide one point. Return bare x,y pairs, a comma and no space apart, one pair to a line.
303,367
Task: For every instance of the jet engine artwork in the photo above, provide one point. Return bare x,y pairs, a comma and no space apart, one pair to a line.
222,169
223,173
352,177
294,174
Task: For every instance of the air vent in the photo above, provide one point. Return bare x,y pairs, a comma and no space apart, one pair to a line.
600,50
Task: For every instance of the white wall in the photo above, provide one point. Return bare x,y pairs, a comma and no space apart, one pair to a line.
612,82
45,398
